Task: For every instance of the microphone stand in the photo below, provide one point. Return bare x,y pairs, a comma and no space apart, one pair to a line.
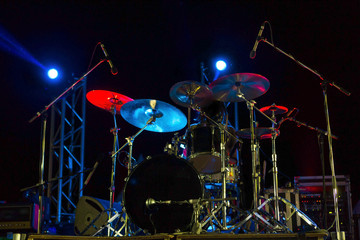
43,113
324,85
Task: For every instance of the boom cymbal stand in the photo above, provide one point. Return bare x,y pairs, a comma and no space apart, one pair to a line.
125,228
276,198
259,216
222,224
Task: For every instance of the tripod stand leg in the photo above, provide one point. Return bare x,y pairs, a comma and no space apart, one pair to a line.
300,213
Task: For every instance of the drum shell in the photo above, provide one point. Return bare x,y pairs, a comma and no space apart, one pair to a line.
163,177
204,147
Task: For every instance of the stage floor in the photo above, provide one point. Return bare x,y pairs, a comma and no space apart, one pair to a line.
280,236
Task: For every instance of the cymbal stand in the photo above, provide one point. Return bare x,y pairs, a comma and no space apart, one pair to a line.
257,214
254,144
126,225
225,203
129,142
275,169
113,167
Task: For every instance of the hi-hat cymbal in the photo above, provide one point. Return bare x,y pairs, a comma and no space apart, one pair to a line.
251,85
269,110
188,93
260,133
107,100
168,117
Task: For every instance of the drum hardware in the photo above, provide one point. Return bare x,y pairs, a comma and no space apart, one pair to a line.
265,133
151,115
273,110
177,146
255,135
294,208
224,204
214,210
112,102
244,87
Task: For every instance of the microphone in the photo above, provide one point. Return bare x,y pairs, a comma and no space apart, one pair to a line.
253,51
114,71
150,203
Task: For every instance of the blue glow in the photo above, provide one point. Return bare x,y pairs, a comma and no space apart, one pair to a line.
220,65
10,45
53,73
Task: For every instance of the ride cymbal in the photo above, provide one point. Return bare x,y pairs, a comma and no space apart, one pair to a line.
230,87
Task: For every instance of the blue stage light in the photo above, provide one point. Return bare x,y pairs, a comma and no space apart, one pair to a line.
53,73
220,65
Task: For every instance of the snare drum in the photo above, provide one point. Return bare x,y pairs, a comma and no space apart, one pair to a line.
232,176
204,147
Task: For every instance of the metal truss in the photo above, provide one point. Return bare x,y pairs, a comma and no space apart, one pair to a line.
66,153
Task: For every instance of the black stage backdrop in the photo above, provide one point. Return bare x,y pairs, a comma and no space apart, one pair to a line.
155,44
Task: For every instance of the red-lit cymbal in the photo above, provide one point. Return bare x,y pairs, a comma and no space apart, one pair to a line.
269,110
107,100
260,133
228,88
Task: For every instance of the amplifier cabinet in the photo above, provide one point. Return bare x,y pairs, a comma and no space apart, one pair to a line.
18,217
321,208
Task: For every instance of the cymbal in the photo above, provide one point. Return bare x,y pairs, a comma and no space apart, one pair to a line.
168,117
269,110
226,89
190,92
260,133
107,100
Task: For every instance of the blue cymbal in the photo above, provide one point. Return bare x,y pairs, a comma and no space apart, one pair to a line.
167,117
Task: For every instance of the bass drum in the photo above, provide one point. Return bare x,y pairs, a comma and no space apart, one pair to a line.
162,178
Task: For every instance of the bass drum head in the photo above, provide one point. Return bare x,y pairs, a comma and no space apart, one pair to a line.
162,178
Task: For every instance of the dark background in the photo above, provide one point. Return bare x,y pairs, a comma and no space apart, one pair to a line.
155,44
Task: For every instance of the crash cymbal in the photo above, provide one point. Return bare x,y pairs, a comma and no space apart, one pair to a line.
168,117
107,100
251,85
269,110
260,133
190,92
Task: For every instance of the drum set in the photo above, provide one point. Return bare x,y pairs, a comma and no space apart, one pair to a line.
192,186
